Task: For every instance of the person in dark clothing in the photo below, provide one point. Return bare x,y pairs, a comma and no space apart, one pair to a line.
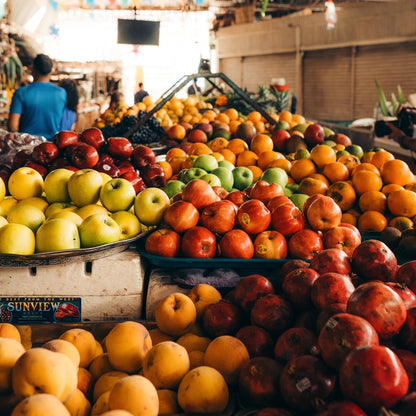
70,111
405,139
140,94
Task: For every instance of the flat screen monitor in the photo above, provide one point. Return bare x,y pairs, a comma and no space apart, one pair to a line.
138,32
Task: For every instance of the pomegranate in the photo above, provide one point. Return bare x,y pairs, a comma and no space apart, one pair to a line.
331,288
272,312
297,286
295,342
326,313
407,335
373,377
306,319
341,408
407,295
341,334
408,359
306,383
380,305
331,260
257,341
374,260
272,411
258,382
406,273
287,267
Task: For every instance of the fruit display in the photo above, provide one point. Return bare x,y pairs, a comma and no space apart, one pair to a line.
299,342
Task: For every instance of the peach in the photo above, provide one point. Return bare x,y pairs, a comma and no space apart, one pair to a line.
100,365
175,314
85,382
117,413
77,404
203,390
196,358
193,342
101,405
65,347
40,370
40,405
98,349
202,295
127,344
8,330
227,354
168,402
166,364
84,341
106,383
158,336
10,352
135,394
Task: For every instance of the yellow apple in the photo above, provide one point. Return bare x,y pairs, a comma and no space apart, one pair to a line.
28,215
84,187
25,182
117,195
3,221
68,215
90,209
7,204
150,205
2,189
58,207
57,234
35,201
17,239
98,229
56,185
129,224
106,177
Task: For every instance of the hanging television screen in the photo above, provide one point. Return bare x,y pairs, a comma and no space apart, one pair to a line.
138,32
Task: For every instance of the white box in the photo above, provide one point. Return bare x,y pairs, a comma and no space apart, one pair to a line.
110,288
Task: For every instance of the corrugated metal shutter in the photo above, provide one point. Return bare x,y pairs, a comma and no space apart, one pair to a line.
326,85
232,68
387,64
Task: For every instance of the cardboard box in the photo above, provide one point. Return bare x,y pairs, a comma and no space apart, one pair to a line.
109,288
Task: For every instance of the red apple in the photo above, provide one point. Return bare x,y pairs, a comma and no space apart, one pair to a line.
65,138
323,213
108,168
270,244
93,136
220,191
344,238
287,219
199,193
59,162
163,242
67,151
219,217
280,137
331,260
119,148
199,242
21,157
124,166
181,216
340,138
265,191
314,134
43,170
185,145
135,179
236,244
142,156
304,244
84,156
44,153
257,340
153,176
238,197
277,201
197,136
308,202
253,216
207,128
105,157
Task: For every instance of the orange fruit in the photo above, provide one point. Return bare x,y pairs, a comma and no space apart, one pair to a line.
233,126
387,189
283,163
402,203
228,155
217,156
372,221
320,176
367,156
285,116
174,151
210,115
257,172
312,186
411,186
343,193
373,201
396,171
401,223
298,119
176,163
167,168
349,218
188,162
365,166
336,171
322,154
247,158
350,161
232,113
261,143
237,145
223,118
302,168
266,157
254,116
260,126
177,131
380,157
199,149
366,180
218,143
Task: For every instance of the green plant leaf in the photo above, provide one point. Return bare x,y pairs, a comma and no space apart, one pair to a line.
382,100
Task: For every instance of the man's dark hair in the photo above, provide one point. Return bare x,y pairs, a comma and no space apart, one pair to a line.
42,64
141,84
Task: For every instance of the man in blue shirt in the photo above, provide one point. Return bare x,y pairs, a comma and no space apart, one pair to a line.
37,108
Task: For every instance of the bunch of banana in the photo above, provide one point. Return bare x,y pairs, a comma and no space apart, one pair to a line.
13,70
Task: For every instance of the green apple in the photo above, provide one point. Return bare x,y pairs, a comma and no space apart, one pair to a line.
2,189
25,182
302,154
328,132
226,164
287,192
299,200
226,177
356,150
17,239
206,162
193,173
275,175
28,215
181,175
212,179
173,187
301,127
68,215
56,185
90,209
242,176
36,201
281,125
59,206
3,221
84,187
117,195
57,234
7,204
150,205
129,224
98,229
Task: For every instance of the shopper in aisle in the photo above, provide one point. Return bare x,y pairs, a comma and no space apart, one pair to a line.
140,94
37,108
69,115
398,135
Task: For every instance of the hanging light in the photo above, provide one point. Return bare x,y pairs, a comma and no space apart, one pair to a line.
330,14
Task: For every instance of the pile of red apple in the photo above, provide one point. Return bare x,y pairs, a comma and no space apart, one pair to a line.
336,336
259,222
115,156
